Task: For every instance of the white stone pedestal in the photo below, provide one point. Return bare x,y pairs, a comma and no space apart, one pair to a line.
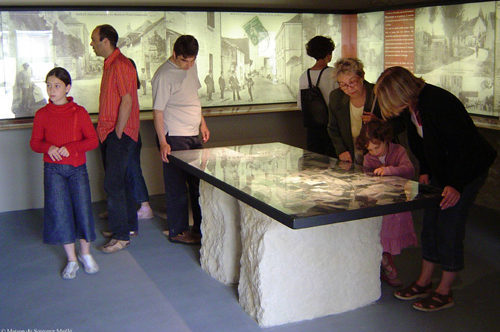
221,242
289,275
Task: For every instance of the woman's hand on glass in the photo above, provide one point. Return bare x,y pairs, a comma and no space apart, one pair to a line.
451,196
424,179
345,165
345,156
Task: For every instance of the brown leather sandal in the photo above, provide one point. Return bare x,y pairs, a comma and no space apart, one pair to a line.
413,292
185,238
435,302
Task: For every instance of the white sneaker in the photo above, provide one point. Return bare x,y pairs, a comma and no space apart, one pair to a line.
145,213
89,264
69,271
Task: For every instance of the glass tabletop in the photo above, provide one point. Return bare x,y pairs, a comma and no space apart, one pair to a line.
301,188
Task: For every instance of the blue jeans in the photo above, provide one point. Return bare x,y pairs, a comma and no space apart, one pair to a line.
67,215
135,172
177,185
443,231
118,155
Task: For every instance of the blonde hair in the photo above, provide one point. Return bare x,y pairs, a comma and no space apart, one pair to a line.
348,65
397,87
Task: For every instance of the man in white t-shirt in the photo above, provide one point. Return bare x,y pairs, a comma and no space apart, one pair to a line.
178,123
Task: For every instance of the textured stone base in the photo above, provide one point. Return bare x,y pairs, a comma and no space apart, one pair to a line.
221,243
289,275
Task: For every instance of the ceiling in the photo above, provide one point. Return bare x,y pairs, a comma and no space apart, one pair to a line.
292,5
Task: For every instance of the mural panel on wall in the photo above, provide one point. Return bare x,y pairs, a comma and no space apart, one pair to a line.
497,63
371,44
454,49
244,58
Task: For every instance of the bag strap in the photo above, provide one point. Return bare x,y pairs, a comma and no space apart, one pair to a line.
309,78
319,77
373,104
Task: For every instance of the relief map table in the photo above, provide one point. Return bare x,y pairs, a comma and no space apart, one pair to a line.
298,231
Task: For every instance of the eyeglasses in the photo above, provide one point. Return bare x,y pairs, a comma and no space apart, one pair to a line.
350,84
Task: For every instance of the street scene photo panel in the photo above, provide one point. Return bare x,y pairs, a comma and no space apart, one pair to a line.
248,58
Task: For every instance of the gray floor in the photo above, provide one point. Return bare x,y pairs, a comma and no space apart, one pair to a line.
158,286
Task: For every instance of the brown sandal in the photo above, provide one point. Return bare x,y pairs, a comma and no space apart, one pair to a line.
435,302
413,292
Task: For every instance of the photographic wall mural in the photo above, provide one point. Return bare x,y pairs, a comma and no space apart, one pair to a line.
455,49
245,58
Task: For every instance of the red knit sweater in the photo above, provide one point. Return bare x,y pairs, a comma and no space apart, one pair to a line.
66,125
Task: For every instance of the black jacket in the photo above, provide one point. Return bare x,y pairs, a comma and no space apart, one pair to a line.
339,118
452,149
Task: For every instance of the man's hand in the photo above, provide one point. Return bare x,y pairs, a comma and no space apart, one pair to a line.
205,133
165,150
160,133
123,114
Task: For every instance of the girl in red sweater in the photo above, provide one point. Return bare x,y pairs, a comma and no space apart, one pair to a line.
63,132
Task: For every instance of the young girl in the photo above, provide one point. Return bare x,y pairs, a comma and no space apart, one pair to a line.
386,158
63,132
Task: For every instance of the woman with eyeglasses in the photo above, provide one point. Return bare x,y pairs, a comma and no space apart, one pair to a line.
350,105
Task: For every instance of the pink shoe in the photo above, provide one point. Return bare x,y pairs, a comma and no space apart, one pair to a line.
393,282
388,272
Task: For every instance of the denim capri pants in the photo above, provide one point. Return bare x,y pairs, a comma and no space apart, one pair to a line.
68,210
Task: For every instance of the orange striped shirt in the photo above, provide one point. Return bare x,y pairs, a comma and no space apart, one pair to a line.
119,78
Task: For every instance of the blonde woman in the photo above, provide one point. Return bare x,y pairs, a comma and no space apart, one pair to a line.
452,155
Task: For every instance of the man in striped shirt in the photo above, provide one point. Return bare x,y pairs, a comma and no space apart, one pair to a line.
118,131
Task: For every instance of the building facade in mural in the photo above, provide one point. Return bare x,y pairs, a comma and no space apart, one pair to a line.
263,52
454,49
